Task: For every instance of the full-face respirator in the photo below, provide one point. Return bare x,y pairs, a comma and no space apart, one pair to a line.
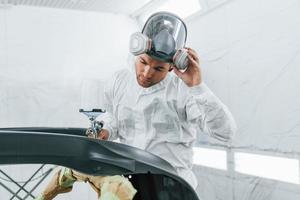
163,38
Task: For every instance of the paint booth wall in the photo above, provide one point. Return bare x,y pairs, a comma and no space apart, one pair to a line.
47,58
47,54
250,58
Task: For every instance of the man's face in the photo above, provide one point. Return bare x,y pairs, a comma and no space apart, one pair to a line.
150,71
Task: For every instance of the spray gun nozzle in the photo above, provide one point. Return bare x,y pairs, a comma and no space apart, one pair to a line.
96,126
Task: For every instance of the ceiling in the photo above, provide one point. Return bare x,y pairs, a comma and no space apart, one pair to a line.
115,6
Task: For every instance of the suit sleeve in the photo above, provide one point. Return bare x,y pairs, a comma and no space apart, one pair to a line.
110,122
206,111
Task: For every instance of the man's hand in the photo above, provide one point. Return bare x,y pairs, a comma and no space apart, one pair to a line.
192,75
102,135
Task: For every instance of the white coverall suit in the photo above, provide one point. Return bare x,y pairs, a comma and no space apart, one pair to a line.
165,118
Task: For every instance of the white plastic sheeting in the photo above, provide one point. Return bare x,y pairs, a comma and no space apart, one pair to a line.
46,57
48,60
250,53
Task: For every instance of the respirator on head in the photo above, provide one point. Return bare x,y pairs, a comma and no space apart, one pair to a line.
162,38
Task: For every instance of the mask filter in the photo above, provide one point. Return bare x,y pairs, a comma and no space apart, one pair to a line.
139,44
181,59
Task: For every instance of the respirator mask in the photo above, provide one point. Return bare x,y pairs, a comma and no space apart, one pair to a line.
163,38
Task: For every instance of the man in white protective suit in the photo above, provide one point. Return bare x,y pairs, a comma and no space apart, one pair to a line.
155,110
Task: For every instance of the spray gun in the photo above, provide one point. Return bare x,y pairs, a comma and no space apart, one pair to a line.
96,126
